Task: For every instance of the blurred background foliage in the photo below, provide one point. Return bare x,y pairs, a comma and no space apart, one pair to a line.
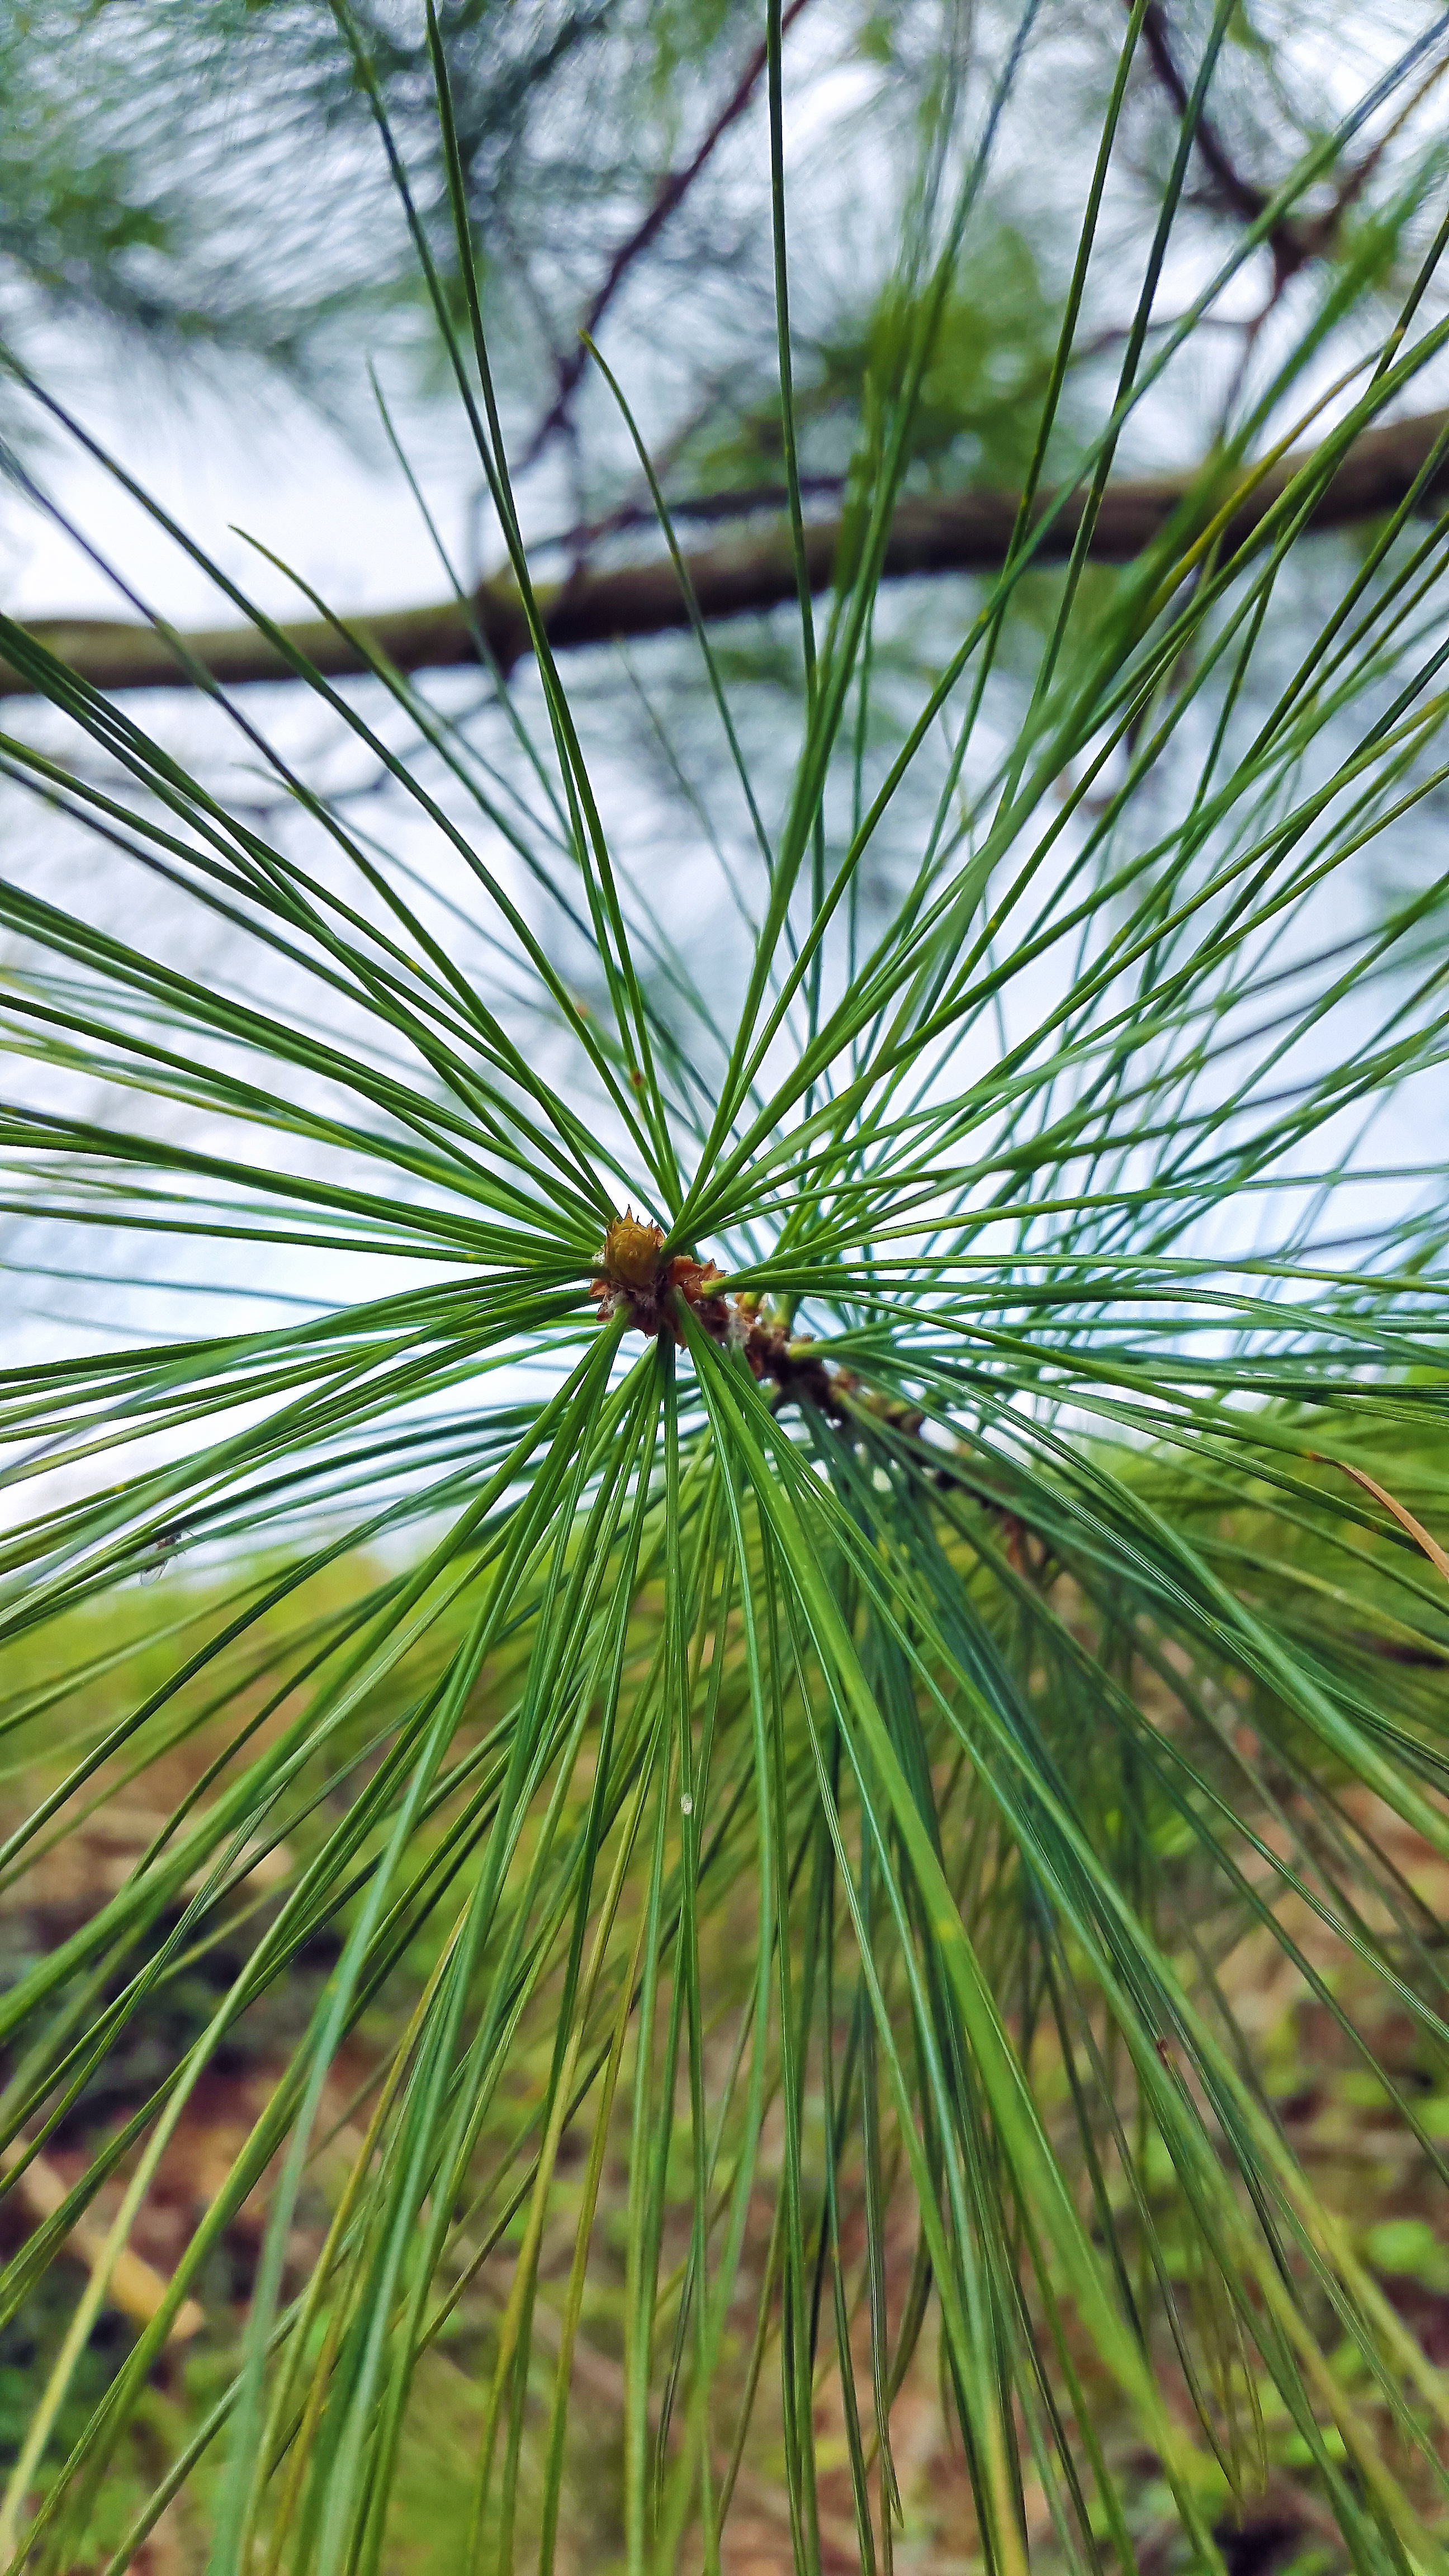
196,180
1332,2052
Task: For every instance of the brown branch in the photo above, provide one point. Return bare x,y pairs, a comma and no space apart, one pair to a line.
672,189
732,501
967,533
1239,194
1292,246
1293,241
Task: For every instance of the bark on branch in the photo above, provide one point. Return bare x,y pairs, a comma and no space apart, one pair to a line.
1290,243
970,533
668,197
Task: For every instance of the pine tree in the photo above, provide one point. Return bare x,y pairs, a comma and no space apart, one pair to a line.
797,1595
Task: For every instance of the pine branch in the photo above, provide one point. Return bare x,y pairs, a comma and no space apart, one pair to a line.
966,533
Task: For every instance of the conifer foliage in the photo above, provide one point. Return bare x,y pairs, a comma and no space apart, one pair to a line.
826,1539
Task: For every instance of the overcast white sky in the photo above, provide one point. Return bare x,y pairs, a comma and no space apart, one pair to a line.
264,463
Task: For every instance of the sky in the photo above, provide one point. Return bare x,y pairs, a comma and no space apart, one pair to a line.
266,464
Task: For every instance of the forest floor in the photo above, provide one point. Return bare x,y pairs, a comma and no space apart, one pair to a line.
1362,2160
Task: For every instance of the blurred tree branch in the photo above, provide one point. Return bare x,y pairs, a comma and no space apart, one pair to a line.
965,533
673,188
1232,191
1294,240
